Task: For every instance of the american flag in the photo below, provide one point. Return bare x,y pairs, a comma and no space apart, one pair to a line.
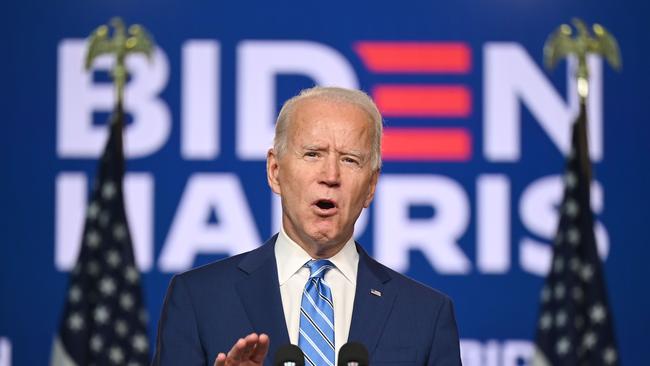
104,320
575,323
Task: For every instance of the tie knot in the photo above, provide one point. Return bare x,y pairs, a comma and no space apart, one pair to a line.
318,268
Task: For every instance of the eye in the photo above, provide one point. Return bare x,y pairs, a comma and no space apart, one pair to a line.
311,154
350,160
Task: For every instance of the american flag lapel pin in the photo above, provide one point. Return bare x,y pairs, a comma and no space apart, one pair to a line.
375,292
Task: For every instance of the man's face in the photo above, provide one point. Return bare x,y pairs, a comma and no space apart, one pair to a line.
324,177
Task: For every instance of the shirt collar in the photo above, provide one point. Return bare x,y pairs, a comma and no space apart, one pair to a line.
290,257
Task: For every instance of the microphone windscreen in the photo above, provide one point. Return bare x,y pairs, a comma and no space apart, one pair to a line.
353,352
289,353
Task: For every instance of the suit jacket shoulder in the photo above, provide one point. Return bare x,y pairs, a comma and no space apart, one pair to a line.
208,308
400,320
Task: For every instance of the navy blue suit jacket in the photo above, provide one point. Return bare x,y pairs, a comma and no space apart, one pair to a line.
207,309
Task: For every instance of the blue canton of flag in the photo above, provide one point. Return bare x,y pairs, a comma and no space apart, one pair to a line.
575,323
104,321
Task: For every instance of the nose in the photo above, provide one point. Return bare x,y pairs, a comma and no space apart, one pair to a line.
331,172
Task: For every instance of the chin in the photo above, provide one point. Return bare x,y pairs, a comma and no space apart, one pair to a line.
327,234
324,238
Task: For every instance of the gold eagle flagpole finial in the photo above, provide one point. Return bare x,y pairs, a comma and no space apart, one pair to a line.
561,44
121,44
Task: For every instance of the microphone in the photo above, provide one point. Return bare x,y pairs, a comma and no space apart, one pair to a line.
289,355
353,354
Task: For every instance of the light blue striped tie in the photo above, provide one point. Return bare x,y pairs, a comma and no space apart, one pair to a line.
317,317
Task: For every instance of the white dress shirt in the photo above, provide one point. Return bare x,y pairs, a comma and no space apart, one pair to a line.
293,276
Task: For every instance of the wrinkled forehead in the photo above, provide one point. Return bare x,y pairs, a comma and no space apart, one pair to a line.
309,109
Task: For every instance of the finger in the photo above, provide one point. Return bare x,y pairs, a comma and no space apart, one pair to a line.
259,354
235,351
220,360
251,343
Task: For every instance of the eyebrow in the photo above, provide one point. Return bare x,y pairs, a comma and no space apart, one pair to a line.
313,147
358,153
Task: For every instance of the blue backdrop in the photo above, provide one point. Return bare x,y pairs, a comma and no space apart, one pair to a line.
474,219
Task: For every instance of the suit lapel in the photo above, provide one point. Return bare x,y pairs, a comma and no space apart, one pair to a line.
260,295
373,302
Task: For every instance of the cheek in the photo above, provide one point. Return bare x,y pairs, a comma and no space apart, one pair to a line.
359,198
294,192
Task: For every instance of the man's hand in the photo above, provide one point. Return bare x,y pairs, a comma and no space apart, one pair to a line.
248,351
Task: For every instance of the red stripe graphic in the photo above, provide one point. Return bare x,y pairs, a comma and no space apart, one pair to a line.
415,57
423,101
426,144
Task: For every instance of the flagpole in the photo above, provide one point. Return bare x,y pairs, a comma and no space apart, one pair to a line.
575,323
104,318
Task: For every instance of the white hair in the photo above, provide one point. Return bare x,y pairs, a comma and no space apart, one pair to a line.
337,95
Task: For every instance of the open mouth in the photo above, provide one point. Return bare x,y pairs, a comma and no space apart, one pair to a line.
325,204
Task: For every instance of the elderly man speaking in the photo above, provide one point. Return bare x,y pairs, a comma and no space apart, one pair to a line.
310,285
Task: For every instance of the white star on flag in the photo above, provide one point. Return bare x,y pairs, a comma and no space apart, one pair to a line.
597,314
563,346
121,328
545,321
113,258
590,339
116,354
586,273
571,208
101,314
93,210
609,355
93,239
119,232
131,274
75,322
108,190
140,343
74,295
96,343
107,286
126,301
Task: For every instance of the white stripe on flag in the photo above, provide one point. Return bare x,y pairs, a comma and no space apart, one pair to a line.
59,355
539,359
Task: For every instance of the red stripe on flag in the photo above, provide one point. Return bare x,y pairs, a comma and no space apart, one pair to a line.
415,57
426,144
423,101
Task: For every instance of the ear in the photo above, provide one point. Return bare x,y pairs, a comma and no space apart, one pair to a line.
371,188
273,170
